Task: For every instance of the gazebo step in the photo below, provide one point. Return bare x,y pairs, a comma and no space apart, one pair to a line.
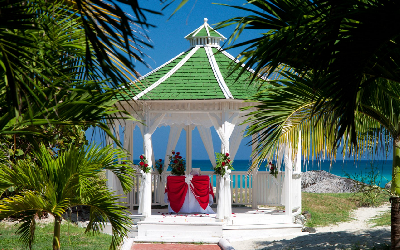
179,231
260,219
265,226
136,218
180,219
244,232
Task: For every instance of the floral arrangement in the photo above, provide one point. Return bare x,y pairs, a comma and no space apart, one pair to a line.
177,163
160,166
273,169
143,164
223,163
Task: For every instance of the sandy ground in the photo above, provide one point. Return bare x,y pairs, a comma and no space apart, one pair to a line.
357,232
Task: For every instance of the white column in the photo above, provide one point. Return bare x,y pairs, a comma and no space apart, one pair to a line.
224,126
288,183
254,194
297,185
145,189
109,174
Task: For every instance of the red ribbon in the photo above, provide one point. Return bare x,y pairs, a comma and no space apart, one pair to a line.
177,189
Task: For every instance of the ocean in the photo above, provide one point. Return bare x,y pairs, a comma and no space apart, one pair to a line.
361,170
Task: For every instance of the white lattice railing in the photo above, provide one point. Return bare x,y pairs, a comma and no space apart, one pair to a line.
269,190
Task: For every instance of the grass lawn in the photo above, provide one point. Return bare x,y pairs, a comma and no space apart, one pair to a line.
72,237
381,220
327,209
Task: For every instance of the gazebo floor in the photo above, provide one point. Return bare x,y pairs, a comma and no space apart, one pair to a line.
247,223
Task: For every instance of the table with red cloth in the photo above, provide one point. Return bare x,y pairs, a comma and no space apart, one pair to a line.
189,194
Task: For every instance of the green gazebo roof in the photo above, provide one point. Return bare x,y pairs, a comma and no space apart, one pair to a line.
202,72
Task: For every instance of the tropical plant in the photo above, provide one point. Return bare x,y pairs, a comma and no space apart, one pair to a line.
54,52
343,83
54,183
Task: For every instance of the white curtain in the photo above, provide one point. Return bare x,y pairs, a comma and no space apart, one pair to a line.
205,135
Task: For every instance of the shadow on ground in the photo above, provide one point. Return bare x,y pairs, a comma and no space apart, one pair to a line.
367,239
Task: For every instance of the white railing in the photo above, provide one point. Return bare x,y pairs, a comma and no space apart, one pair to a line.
269,190
241,188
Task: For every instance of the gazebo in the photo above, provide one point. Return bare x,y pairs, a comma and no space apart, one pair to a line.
196,88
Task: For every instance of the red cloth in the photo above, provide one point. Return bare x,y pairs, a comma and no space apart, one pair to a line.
177,189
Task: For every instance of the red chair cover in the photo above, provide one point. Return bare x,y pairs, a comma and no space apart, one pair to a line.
201,189
177,188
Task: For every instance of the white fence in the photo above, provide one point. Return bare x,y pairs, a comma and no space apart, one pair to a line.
269,190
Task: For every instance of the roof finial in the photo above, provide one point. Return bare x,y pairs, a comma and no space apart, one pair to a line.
205,20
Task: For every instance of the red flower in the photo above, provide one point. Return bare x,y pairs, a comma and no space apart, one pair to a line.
227,154
179,157
173,152
160,160
223,163
141,163
141,157
272,168
177,153
176,161
229,160
145,165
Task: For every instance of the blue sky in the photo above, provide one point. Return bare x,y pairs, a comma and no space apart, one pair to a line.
168,41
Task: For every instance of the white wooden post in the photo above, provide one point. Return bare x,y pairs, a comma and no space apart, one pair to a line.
224,127
288,183
109,174
297,171
145,202
145,188
254,194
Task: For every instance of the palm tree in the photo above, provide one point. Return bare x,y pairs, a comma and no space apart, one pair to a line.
52,184
51,51
346,82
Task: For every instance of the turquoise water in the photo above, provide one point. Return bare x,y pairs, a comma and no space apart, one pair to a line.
355,169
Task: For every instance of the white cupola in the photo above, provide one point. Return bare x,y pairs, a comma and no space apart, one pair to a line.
205,36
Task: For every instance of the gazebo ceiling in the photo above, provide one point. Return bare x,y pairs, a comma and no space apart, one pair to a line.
202,72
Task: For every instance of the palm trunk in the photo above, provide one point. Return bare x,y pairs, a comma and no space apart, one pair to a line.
395,200
57,232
